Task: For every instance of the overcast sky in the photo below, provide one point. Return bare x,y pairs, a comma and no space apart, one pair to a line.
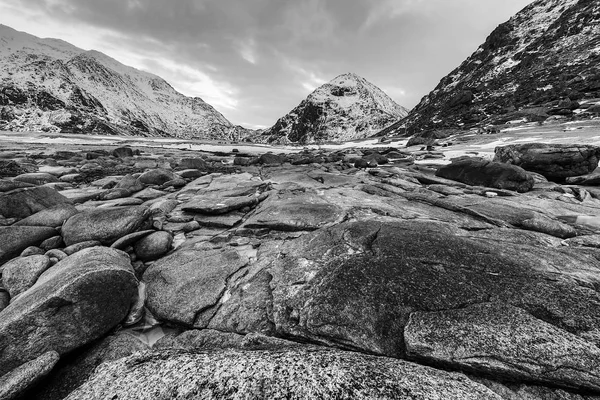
254,60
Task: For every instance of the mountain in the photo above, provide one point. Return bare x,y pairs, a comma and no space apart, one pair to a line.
541,62
349,107
51,85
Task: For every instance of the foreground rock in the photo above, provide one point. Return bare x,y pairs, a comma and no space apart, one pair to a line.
299,373
104,225
554,161
480,172
74,302
501,340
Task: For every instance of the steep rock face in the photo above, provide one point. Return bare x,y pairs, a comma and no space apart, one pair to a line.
51,85
546,53
347,108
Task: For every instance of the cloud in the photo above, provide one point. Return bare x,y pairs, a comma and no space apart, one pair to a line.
254,60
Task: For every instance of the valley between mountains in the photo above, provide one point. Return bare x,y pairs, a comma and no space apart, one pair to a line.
150,249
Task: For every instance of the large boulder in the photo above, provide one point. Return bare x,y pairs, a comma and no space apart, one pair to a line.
554,161
355,285
104,224
157,176
15,239
36,178
73,303
479,172
21,203
293,373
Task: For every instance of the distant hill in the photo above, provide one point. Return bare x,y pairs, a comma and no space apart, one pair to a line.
349,107
51,85
543,61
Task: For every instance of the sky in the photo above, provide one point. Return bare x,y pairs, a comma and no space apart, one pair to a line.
255,60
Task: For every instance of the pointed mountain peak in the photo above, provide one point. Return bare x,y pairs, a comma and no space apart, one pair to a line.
346,108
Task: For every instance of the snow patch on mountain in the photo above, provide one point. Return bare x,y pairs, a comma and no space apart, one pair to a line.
51,85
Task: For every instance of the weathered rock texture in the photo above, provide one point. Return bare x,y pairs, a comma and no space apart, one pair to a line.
73,303
554,161
298,373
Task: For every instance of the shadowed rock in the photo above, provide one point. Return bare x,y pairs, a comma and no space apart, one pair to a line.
73,303
480,172
554,161
22,203
104,225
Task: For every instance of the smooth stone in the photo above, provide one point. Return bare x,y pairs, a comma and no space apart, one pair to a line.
191,173
21,203
149,194
130,239
480,172
193,163
15,239
57,171
52,243
56,254
17,382
153,246
104,225
32,251
163,206
36,178
73,303
122,152
298,373
52,217
188,282
157,176
21,273
503,341
130,184
6,185
74,248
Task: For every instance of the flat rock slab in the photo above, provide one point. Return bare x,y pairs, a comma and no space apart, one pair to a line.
15,239
221,205
305,212
183,285
105,225
298,373
73,303
554,161
21,203
502,340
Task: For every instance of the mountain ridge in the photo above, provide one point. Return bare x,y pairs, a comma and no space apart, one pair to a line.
544,54
52,85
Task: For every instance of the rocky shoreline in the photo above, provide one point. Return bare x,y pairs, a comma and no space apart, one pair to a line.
156,273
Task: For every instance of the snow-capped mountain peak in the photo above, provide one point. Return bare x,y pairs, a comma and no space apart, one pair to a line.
346,108
51,85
